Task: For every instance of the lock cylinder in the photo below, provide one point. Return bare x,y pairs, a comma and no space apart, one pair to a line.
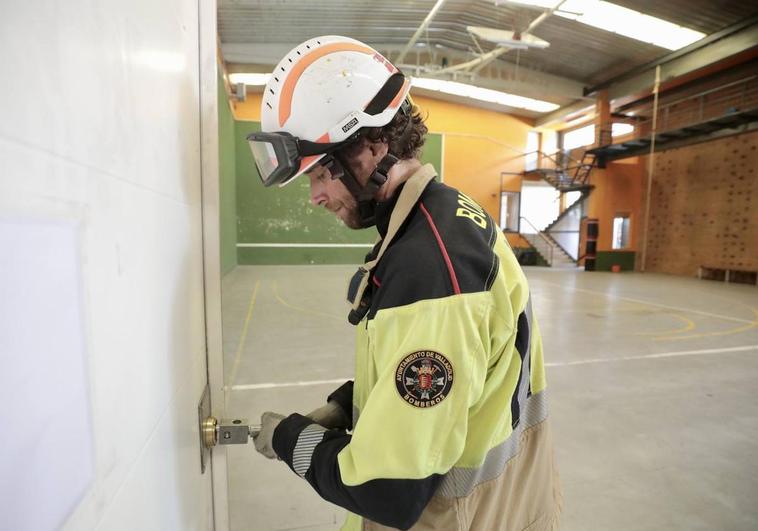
227,431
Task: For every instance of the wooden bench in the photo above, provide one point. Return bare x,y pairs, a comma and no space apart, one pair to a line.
731,274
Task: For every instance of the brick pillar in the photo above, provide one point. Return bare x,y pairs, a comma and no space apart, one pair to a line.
603,122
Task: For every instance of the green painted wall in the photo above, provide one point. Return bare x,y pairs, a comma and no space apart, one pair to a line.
227,182
432,152
605,259
285,216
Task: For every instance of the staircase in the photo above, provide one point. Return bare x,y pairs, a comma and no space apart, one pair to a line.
557,241
570,210
549,250
563,173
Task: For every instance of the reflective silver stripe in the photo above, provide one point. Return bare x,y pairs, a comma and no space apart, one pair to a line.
523,386
306,443
460,482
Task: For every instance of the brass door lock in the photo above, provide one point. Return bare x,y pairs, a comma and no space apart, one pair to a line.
227,431
213,432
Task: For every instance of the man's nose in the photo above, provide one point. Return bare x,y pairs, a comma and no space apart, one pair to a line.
317,190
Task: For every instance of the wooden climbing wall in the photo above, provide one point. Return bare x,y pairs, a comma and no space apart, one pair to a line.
704,207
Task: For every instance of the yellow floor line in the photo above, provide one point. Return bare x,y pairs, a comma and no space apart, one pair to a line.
689,324
659,355
653,304
241,343
304,310
754,324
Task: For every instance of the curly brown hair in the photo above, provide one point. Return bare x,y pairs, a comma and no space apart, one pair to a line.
404,144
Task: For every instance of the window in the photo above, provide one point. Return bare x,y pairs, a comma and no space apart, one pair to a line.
621,129
510,204
621,231
584,136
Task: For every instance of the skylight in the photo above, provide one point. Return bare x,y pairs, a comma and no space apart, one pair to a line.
483,94
439,85
621,20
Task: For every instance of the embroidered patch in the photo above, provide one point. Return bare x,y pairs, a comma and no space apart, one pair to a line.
424,378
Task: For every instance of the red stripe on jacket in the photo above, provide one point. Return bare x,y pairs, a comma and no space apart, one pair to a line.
450,270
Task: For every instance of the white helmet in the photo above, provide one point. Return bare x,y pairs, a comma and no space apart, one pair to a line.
318,97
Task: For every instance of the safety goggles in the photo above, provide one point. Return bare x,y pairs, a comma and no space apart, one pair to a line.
281,156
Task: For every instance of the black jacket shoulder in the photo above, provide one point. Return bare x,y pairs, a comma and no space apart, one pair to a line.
444,248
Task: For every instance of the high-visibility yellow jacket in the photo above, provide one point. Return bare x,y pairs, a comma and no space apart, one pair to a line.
450,426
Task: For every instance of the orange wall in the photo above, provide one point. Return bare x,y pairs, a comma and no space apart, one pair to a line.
250,109
478,146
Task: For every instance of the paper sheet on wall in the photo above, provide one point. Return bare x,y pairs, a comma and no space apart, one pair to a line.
46,462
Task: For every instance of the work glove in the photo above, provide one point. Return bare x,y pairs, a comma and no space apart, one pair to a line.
264,440
330,416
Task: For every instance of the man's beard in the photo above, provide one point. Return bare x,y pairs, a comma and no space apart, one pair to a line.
346,213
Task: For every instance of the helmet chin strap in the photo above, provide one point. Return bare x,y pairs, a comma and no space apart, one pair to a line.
364,195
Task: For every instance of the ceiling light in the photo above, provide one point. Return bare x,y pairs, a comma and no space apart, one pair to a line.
507,38
620,20
483,94
249,79
547,4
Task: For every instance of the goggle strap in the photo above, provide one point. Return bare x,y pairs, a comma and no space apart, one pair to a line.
306,148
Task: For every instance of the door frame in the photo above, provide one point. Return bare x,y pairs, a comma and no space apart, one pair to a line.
209,160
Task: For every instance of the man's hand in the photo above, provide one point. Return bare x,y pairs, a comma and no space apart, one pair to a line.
264,440
330,416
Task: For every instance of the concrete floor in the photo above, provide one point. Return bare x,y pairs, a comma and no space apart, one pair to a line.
652,381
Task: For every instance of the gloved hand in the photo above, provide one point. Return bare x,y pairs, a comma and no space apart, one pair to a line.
330,416
264,440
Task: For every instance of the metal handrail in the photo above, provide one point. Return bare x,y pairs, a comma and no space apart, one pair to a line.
545,238
551,157
707,103
709,91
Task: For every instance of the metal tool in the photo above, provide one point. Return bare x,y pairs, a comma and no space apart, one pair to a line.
227,431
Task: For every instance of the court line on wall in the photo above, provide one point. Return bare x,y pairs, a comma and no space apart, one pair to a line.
648,303
682,353
243,336
252,387
307,245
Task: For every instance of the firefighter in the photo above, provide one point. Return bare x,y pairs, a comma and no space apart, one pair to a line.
445,424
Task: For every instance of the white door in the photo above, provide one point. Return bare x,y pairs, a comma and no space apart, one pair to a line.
102,309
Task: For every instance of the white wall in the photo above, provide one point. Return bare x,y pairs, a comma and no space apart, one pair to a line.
100,132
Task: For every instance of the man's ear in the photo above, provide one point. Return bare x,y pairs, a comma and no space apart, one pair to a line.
378,150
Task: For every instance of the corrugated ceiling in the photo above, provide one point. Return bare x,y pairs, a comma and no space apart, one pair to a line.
577,51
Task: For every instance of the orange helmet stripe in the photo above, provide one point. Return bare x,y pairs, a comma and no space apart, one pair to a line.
285,101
